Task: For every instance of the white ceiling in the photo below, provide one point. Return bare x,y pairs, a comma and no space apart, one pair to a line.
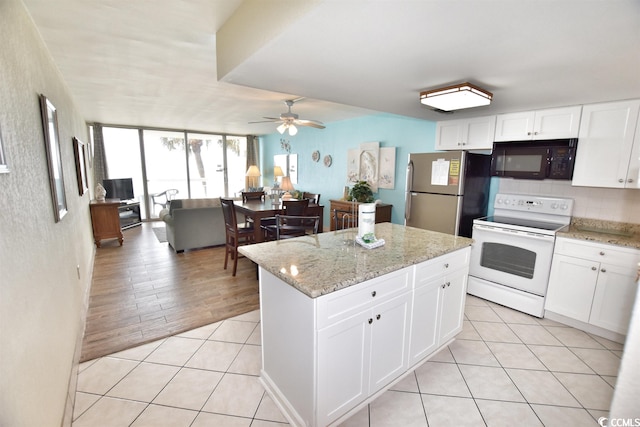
154,63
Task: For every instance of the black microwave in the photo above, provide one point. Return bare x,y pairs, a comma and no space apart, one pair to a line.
550,159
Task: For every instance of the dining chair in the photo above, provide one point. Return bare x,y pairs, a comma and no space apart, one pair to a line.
288,226
235,236
295,207
252,195
313,197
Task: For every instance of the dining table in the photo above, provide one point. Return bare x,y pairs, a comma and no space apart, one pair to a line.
259,209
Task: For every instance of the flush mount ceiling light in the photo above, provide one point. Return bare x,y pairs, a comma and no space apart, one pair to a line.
456,97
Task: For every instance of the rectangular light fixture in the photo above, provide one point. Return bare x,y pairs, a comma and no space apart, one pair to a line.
456,97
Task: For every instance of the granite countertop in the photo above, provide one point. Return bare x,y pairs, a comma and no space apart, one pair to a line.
600,231
326,262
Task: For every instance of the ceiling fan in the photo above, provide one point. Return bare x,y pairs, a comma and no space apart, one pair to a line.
288,120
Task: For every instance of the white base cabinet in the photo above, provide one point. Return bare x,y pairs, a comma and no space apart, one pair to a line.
325,358
593,283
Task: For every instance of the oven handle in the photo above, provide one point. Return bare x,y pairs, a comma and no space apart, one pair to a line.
514,232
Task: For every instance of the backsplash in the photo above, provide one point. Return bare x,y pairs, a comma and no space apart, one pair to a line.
610,204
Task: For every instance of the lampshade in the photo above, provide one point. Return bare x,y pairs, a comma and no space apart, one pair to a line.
456,97
277,171
253,171
286,184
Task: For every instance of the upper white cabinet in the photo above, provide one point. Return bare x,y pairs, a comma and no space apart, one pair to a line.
466,134
608,155
553,123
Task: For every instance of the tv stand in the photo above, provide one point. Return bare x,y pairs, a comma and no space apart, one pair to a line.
109,217
129,214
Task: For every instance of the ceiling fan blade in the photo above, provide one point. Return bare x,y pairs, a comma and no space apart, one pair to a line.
269,120
310,123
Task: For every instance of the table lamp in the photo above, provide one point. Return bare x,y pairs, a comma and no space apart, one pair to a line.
287,186
277,172
253,172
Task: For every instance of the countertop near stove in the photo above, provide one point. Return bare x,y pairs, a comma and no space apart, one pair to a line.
610,232
324,263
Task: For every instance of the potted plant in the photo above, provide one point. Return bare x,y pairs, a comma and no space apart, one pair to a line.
361,192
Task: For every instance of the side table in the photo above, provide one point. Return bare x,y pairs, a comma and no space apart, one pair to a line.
106,220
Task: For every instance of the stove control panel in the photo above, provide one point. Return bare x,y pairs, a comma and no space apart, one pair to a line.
539,204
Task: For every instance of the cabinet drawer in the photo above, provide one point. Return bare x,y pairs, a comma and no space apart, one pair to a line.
426,271
614,255
341,304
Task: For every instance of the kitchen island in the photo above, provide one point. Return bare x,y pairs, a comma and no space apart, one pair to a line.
341,323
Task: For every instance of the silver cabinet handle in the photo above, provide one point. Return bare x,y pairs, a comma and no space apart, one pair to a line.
621,180
448,284
378,317
593,268
604,270
444,285
374,293
630,180
370,321
446,265
602,253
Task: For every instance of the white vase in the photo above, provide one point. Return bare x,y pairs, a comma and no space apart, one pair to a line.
101,193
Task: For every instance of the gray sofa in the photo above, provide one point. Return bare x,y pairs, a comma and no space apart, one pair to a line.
194,223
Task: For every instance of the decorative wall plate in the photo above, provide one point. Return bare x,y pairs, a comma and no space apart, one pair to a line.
315,156
327,160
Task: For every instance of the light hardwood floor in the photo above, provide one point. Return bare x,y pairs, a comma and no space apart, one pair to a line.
144,291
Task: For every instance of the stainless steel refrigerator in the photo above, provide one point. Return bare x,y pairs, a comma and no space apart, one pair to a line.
447,190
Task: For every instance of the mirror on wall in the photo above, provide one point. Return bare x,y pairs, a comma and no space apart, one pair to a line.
289,164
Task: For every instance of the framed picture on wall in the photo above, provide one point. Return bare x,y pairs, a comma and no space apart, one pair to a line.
4,168
79,149
54,157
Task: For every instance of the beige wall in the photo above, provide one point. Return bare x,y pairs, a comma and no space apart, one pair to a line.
42,300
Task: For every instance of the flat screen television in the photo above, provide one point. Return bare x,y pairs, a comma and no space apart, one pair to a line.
121,188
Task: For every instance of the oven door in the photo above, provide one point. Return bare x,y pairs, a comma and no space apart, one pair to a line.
513,258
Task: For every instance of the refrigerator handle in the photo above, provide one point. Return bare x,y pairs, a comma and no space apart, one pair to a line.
407,205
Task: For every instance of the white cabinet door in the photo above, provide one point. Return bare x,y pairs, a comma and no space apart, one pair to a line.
424,320
466,134
389,341
514,126
552,123
614,296
453,291
633,172
572,283
605,144
343,364
449,135
557,123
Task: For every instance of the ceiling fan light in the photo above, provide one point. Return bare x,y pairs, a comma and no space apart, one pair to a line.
456,97
282,128
292,130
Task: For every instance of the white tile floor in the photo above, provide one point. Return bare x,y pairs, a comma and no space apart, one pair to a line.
506,368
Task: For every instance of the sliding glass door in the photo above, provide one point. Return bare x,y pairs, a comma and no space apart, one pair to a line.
176,164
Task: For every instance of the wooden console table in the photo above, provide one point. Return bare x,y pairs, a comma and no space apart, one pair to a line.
105,218
383,212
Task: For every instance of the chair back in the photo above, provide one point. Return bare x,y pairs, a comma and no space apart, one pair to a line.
252,195
295,207
229,212
288,226
313,197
